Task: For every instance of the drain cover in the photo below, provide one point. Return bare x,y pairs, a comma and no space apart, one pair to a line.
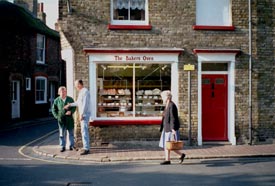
79,184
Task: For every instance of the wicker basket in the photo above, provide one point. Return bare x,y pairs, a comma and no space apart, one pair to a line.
174,145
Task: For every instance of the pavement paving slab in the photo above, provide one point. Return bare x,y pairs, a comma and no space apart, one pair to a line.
49,147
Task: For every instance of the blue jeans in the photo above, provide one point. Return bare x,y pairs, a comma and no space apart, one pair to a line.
85,133
63,136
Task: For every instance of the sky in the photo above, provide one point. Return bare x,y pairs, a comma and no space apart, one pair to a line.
51,10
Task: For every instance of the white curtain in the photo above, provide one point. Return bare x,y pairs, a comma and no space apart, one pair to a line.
134,4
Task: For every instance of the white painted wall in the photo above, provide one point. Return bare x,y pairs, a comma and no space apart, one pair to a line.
68,56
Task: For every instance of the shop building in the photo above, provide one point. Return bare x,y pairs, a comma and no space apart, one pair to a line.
129,51
30,64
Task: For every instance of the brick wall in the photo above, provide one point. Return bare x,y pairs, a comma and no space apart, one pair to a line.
172,27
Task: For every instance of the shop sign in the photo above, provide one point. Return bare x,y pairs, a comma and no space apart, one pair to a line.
133,58
189,67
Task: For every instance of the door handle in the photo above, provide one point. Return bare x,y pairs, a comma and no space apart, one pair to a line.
213,94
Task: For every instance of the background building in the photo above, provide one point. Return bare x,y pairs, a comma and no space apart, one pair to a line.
126,51
30,63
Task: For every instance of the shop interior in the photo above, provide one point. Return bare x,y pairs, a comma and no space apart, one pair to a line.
131,90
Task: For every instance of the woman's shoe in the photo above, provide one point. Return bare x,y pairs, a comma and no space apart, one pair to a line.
182,158
166,163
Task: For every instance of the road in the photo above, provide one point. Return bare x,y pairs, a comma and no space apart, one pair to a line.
18,170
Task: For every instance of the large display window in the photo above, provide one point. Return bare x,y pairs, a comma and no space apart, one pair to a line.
131,89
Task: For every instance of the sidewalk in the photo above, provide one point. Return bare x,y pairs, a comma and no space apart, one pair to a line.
49,147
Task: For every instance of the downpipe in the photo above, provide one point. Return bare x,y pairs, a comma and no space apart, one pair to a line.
250,73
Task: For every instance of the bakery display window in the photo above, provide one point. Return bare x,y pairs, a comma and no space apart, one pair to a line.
131,89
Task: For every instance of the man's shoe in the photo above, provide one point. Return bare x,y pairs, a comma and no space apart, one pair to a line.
73,148
62,149
165,163
84,152
182,158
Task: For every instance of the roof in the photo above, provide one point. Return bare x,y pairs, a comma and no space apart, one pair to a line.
19,19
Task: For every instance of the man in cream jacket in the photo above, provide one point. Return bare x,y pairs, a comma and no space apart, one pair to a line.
84,110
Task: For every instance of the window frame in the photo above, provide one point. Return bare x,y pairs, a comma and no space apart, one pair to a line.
204,26
130,22
44,49
45,91
28,83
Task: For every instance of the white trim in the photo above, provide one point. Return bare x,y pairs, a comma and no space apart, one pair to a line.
214,72
218,57
129,22
68,56
159,58
45,92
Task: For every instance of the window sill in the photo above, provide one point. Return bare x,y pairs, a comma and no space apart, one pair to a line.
40,102
125,122
220,28
129,27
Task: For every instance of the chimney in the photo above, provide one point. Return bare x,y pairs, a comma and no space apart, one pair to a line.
40,12
30,5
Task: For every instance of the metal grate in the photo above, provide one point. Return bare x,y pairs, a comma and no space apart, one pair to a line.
79,184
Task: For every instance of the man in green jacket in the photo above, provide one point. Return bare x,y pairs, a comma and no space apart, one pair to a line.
64,118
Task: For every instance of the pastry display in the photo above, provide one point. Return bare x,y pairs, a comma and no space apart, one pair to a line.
118,103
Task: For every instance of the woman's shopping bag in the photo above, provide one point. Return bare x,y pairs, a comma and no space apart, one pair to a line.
175,144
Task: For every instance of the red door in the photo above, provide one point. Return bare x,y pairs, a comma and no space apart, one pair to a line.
214,107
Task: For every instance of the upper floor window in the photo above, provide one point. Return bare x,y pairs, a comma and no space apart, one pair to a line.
213,13
40,90
40,49
129,12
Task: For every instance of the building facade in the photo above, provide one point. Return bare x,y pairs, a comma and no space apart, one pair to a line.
30,64
129,51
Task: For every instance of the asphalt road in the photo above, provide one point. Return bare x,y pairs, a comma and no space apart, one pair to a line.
19,170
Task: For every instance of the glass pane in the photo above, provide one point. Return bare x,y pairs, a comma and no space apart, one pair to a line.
213,12
43,83
151,80
214,66
219,81
38,84
114,85
121,9
39,54
205,81
137,11
40,41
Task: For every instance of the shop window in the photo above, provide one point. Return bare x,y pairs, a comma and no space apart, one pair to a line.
213,12
40,49
129,12
131,90
40,90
